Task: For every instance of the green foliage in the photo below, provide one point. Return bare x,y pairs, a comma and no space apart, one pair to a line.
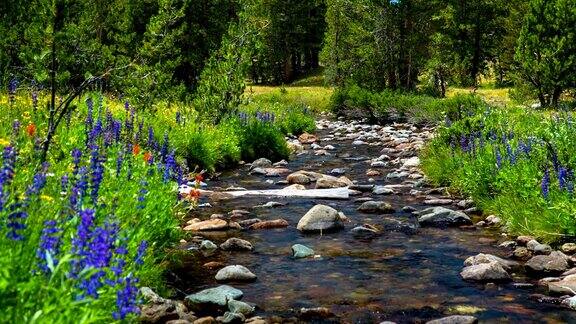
261,138
547,49
500,157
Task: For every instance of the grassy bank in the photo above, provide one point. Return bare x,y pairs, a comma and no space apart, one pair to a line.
82,232
514,162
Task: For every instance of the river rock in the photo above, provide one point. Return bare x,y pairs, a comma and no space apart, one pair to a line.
532,244
493,220
441,217
397,175
205,320
306,138
522,253
236,244
208,225
276,223
542,249
208,245
365,230
411,162
231,318
301,251
320,218
270,204
248,222
338,171
524,239
235,273
236,306
569,248
303,177
438,201
261,163
376,207
555,262
378,164
382,190
492,271
327,182
217,297
315,313
566,286
488,258
455,319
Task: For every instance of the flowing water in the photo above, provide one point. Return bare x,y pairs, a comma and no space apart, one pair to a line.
403,275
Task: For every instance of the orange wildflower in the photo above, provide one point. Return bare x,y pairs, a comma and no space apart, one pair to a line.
136,149
194,194
199,177
31,130
147,156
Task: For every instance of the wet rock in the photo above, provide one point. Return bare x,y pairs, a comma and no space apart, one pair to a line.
441,217
411,162
270,204
303,177
306,138
569,248
532,244
248,222
542,249
179,321
464,204
372,173
301,251
261,163
213,265
555,262
524,239
358,142
408,209
492,271
158,313
281,163
522,253
327,182
212,298
397,175
365,231
208,245
256,320
378,164
275,172
566,286
277,223
488,258
320,218
493,220
208,225
329,147
507,244
455,319
236,244
205,320
438,201
363,188
382,190
235,273
231,318
338,171
236,306
315,313
295,187
376,207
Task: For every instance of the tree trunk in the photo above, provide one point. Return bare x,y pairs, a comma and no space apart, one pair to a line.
556,96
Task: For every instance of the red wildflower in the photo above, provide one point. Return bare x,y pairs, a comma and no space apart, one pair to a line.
194,194
31,130
147,157
136,149
199,177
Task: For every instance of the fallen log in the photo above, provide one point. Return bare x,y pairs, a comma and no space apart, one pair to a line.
336,193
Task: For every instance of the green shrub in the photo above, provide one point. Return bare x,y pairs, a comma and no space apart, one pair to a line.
262,139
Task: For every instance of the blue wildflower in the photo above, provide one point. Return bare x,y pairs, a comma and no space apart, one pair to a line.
126,299
49,244
563,178
545,186
97,173
141,252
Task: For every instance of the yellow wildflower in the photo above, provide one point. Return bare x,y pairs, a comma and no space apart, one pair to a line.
4,142
47,198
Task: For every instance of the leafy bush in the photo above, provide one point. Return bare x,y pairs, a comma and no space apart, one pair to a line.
261,138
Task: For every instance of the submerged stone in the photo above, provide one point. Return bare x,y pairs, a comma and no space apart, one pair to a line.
301,251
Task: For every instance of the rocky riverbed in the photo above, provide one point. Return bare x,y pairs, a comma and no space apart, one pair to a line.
396,250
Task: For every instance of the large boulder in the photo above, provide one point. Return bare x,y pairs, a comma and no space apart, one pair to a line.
303,177
442,217
235,273
555,262
261,163
320,218
212,298
566,286
376,207
492,271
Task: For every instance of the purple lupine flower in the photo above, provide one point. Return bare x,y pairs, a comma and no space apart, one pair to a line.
117,130
150,137
498,159
15,224
89,116
510,153
34,98
6,173
178,118
169,166
141,252
119,161
119,262
142,194
16,127
555,162
81,239
76,156
49,244
563,178
464,143
126,105
570,184
126,299
12,87
545,186
164,149
82,182
64,181
97,173
38,182
95,132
